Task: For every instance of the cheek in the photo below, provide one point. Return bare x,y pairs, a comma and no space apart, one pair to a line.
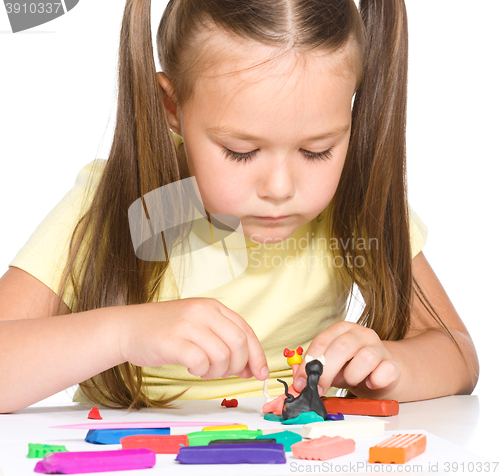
335,169
322,184
220,190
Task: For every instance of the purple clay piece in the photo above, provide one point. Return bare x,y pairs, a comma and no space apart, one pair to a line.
255,453
243,441
335,416
96,461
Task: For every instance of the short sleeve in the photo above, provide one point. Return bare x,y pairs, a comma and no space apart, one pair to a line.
45,253
418,233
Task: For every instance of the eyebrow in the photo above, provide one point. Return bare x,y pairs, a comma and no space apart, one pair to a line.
241,135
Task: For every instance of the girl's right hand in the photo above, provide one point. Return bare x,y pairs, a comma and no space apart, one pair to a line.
202,334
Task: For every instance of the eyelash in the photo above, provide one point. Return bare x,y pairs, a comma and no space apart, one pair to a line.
247,156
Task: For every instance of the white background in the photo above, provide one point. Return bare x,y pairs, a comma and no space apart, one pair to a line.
57,93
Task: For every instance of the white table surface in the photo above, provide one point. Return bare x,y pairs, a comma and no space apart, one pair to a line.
461,433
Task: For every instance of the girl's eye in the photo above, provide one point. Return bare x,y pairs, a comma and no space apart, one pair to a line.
230,154
325,155
246,156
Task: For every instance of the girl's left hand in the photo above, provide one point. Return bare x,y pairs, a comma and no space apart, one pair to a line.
356,359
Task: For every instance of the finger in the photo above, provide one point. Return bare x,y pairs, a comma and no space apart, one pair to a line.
386,374
339,351
189,355
338,356
319,346
362,365
299,379
215,349
246,372
236,341
256,357
344,348
339,381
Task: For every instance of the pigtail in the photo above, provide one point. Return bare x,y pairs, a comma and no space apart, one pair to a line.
143,157
370,205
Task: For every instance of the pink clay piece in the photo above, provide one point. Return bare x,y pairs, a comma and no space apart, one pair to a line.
274,406
323,448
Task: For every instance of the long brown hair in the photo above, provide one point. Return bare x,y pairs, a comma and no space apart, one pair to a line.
371,199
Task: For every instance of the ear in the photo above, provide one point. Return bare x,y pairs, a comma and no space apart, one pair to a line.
171,108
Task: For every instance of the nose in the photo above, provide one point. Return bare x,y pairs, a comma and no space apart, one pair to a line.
277,181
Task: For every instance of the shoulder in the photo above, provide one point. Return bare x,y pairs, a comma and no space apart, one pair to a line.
418,232
91,173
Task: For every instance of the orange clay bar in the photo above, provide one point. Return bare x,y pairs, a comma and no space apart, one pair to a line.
361,406
398,449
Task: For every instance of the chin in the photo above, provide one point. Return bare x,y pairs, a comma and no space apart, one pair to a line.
271,237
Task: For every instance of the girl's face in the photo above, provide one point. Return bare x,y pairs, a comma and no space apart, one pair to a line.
267,142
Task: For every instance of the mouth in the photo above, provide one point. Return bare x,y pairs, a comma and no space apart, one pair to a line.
273,219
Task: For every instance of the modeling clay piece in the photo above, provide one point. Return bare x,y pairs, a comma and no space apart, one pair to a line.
249,441
308,400
141,425
303,419
364,427
361,406
323,448
225,427
264,453
36,450
96,461
286,438
113,437
203,438
398,449
293,359
160,444
335,416
272,417
94,414
229,403
275,405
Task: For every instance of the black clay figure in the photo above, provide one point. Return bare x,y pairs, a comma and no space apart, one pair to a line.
308,400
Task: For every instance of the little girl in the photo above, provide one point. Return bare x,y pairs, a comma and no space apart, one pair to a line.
290,118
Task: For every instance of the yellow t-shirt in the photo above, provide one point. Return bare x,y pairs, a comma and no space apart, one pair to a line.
288,293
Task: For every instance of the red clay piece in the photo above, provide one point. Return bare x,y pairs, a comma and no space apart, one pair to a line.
398,449
323,448
361,406
160,444
229,403
94,414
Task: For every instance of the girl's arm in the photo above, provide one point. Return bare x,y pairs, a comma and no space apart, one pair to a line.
42,354
425,364
431,365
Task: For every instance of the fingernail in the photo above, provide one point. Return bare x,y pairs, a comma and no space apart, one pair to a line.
264,373
368,383
299,384
320,390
